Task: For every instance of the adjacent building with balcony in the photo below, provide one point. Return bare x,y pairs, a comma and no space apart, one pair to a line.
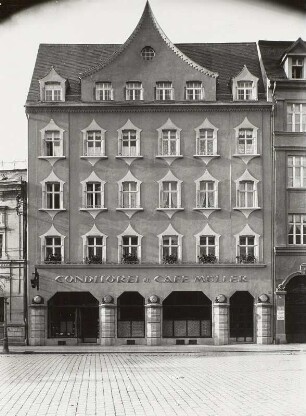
284,68
150,168
13,288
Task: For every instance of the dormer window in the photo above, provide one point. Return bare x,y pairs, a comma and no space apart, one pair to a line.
297,68
104,91
134,91
244,90
164,91
53,91
244,86
194,91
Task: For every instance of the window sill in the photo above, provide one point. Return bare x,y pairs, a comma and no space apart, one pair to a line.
170,211
93,211
296,189
52,159
206,211
129,159
93,159
206,158
246,211
130,211
246,158
169,158
52,212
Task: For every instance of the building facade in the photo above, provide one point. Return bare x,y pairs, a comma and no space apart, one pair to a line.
149,166
284,67
13,300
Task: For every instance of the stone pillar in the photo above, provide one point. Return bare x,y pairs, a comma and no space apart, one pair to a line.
221,320
153,321
280,331
107,321
264,320
37,324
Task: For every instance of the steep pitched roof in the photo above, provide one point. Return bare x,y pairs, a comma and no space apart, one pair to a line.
272,53
72,60
148,19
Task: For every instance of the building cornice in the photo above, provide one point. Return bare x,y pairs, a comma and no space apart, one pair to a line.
147,107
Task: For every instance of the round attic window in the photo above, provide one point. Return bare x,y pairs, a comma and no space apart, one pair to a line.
148,53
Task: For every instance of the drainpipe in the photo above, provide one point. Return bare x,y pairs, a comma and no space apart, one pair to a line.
273,210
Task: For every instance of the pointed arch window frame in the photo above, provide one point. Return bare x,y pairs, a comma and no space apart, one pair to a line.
169,126
206,125
246,125
52,233
52,127
129,126
247,177
168,178
209,232
52,179
245,76
170,232
94,232
207,177
93,127
247,231
129,232
93,211
52,77
129,211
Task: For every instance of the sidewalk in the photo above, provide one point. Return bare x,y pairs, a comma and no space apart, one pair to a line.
164,349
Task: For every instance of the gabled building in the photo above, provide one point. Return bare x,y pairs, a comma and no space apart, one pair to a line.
284,68
13,289
149,166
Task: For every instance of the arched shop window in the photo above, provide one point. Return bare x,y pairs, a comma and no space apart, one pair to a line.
130,315
73,315
295,307
241,316
187,314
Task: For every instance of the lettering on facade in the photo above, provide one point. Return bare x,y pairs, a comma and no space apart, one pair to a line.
280,313
158,279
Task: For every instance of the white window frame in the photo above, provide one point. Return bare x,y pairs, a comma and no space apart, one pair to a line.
169,178
93,130
133,91
164,91
296,171
207,178
207,232
296,111
164,135
129,232
194,92
52,179
130,210
297,63
94,232
129,157
53,128
49,83
246,178
297,222
248,232
52,233
104,91
170,232
53,91
93,178
206,156
249,94
246,126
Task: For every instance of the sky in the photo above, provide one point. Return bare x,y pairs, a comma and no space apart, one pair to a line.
112,21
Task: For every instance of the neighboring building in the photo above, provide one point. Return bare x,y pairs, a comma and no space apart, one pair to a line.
284,66
150,168
13,251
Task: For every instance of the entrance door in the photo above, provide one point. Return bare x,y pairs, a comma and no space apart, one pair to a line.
89,324
241,317
295,319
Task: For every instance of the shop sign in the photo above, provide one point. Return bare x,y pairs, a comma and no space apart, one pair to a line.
156,279
280,313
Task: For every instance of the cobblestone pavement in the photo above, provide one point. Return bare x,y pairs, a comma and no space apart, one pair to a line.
270,384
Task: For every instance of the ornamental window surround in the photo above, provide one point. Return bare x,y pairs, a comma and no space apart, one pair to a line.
246,193
207,246
133,91
245,86
296,117
194,91
94,246
206,194
206,141
52,142
129,195
93,137
52,194
129,246
170,190
93,195
297,229
104,91
247,246
129,142
296,171
246,141
164,91
52,87
170,243
169,142
52,246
